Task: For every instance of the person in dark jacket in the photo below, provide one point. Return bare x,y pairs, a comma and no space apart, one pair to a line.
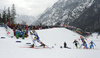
76,43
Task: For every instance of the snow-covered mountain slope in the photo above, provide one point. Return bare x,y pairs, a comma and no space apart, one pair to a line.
10,49
64,11
21,19
90,19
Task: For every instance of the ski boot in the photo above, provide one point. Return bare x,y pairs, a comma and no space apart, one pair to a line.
43,45
32,46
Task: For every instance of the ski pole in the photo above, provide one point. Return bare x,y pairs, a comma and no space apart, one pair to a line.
48,46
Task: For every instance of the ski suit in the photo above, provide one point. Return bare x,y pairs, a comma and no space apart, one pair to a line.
82,39
92,45
84,44
65,45
36,38
76,43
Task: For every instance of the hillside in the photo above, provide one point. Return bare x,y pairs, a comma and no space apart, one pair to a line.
90,19
25,19
64,11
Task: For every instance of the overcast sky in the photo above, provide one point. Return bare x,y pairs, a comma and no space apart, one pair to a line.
28,7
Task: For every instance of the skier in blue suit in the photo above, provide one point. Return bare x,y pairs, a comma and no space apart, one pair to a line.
36,38
84,44
92,45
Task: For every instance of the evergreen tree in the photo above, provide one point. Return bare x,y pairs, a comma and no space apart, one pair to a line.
4,20
8,14
13,14
0,18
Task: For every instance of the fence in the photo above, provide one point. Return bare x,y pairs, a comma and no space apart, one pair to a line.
1,25
4,26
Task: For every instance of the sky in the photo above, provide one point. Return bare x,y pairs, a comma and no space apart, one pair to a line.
28,7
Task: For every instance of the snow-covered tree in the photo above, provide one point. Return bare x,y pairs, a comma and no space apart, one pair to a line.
8,14
0,18
13,14
4,17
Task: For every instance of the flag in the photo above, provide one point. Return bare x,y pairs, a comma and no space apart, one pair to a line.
8,22
8,32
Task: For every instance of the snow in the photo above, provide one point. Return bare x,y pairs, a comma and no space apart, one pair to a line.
2,33
51,37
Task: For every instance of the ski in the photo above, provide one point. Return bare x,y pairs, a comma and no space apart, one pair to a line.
36,47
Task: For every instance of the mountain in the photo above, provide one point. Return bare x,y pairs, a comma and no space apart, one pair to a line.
90,19
25,19
64,11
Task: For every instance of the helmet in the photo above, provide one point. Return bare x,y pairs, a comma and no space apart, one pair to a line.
81,37
75,40
91,41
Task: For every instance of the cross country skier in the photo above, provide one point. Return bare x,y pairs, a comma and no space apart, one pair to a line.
65,45
36,38
82,39
84,44
92,45
76,43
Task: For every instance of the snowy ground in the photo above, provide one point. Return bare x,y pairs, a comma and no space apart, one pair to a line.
52,37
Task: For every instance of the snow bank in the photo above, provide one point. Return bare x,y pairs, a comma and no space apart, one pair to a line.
3,32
